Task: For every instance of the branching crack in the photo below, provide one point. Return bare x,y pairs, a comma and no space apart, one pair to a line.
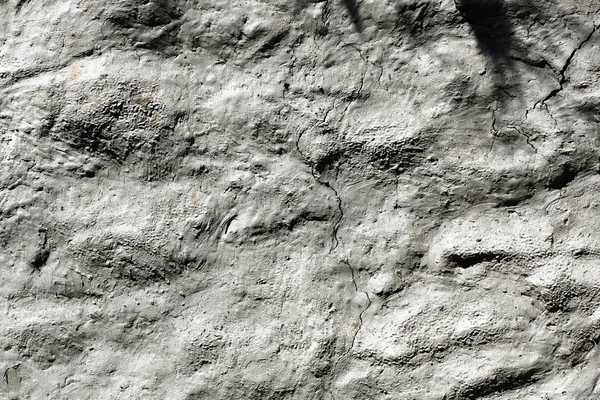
520,130
562,73
356,94
527,137
359,51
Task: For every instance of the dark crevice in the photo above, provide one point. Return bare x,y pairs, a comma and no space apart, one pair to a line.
469,260
566,174
41,256
39,259
540,63
356,288
20,4
304,217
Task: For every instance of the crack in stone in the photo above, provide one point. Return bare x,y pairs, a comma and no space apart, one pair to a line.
337,223
521,131
527,137
7,370
355,96
360,319
357,289
359,51
493,129
336,227
543,64
563,79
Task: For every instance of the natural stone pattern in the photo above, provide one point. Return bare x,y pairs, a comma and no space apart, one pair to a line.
382,199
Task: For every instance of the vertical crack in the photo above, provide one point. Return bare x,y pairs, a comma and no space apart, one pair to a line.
360,322
355,95
337,223
360,319
493,129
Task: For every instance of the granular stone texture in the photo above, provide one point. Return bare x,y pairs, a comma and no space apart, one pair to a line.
300,199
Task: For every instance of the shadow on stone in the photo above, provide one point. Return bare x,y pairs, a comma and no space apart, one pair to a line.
495,37
352,9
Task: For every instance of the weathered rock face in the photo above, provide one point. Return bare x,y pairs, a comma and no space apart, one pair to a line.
384,199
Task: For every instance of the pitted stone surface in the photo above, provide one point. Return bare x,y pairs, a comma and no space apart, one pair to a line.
377,199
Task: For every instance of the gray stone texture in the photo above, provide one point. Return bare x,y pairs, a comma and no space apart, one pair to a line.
300,199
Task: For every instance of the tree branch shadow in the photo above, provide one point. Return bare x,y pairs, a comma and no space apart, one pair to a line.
494,33
352,9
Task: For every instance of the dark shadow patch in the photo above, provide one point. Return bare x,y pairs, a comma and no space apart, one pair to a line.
411,17
465,261
494,33
491,26
152,25
352,9
501,381
565,174
39,259
328,161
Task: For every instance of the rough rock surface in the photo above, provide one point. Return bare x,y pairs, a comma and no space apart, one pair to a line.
299,199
